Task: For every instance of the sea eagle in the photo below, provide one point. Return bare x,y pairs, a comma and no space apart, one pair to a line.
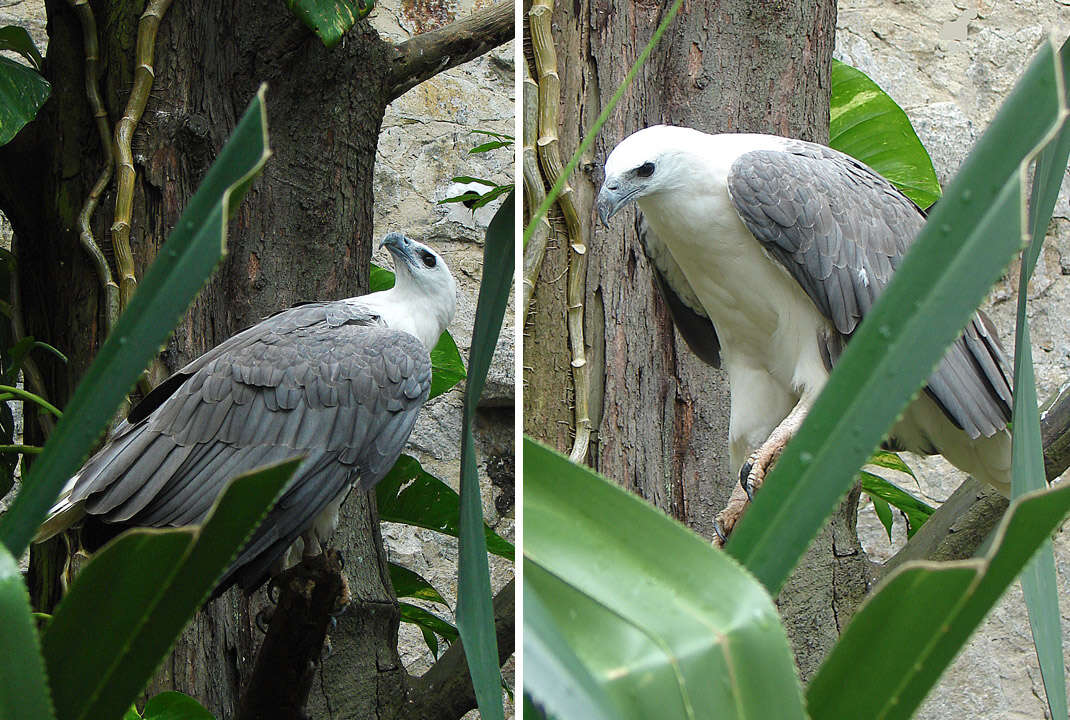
339,382
769,252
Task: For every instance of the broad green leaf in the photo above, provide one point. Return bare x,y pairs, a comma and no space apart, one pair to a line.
1039,584
552,671
22,93
866,123
970,237
647,604
426,620
884,513
447,367
17,39
890,460
411,495
911,628
475,614
131,601
410,584
488,146
184,263
175,706
25,693
916,511
330,19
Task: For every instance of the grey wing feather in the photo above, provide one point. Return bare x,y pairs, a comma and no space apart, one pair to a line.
687,312
326,381
841,230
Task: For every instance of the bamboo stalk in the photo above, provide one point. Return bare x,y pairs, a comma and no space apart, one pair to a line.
124,158
144,76
100,115
534,191
550,157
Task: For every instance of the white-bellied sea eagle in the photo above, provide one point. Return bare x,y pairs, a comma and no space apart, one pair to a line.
769,252
339,382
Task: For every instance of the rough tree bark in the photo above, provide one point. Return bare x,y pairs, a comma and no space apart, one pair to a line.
660,415
303,232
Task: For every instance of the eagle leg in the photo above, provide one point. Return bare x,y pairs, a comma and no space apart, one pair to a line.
753,472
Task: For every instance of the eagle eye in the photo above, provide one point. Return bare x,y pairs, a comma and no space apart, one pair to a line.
428,258
645,170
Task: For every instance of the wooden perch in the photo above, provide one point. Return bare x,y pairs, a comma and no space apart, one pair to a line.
445,691
964,520
428,54
286,662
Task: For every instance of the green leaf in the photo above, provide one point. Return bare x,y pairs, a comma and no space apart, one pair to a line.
488,146
475,614
410,584
1039,584
962,250
489,197
470,179
890,460
131,601
669,626
552,671
17,39
25,693
884,514
22,93
866,123
913,626
175,706
411,495
184,263
426,620
330,19
447,367
916,511
491,133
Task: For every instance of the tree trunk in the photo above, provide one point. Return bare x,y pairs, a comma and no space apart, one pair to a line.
661,415
303,232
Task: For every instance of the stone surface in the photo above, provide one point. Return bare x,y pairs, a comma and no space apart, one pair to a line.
950,65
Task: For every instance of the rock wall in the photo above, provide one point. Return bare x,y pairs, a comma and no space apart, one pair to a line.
950,64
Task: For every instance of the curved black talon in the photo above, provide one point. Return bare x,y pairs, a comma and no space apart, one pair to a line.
273,591
744,476
719,531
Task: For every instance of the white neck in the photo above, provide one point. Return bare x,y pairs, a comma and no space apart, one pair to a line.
414,313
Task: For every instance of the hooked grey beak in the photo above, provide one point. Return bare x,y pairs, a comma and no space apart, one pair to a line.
399,246
611,198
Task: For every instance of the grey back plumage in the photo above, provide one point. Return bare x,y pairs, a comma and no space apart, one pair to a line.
325,380
841,230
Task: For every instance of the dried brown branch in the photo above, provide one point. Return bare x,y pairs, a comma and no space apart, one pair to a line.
100,115
429,53
445,691
545,54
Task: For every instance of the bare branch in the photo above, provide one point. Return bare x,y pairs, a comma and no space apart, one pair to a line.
286,661
445,691
428,54
960,525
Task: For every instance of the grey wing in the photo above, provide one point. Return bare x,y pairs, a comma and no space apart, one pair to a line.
841,230
344,394
688,315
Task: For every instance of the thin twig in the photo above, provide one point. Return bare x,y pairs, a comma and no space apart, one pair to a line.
100,115
550,157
